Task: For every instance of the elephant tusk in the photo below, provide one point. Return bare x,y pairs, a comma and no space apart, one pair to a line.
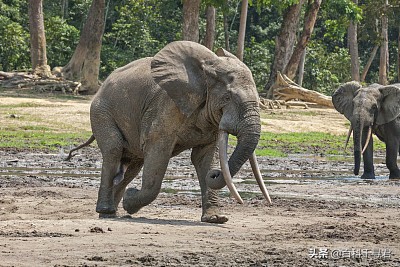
223,156
348,137
368,138
257,174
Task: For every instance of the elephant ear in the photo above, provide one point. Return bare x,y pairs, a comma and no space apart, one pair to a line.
342,98
179,69
223,53
390,104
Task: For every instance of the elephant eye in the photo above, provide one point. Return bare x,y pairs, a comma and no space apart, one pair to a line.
225,99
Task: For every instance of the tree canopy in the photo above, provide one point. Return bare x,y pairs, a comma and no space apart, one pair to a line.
139,28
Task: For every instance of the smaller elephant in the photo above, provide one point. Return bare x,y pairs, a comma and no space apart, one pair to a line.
372,109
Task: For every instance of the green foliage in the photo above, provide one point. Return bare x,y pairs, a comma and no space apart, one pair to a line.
61,39
258,58
141,30
14,41
136,29
325,70
14,45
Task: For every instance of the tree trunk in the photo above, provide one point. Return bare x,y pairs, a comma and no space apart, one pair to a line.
210,27
226,27
301,67
309,22
369,62
38,39
242,29
398,56
64,9
85,63
384,53
190,30
353,49
284,43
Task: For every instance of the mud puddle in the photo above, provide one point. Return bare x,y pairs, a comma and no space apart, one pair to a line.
297,176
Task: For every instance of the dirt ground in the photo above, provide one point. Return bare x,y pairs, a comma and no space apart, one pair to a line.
322,215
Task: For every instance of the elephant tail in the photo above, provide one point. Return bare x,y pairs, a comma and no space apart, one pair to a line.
88,142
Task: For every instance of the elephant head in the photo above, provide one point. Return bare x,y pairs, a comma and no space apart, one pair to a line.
366,108
223,87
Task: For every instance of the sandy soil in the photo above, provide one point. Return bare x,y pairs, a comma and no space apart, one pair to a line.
321,214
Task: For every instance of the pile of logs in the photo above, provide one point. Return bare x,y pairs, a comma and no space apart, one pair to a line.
25,80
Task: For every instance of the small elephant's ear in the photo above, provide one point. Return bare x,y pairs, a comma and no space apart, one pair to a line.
342,98
390,104
178,69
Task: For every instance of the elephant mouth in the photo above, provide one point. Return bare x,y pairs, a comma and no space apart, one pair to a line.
223,155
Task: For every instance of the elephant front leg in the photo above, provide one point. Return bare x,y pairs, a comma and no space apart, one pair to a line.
369,172
202,158
132,171
155,164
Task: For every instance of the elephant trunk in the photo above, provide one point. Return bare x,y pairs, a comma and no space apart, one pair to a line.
247,140
248,134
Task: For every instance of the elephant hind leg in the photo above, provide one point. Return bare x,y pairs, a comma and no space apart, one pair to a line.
392,149
131,172
111,144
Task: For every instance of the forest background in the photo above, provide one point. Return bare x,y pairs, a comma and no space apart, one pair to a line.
135,29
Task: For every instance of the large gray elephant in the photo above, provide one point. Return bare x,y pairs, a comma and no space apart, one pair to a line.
154,108
373,109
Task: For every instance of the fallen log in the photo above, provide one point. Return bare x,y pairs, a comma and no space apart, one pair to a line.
285,89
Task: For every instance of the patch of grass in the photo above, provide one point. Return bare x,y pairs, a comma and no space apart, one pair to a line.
26,105
270,153
308,143
282,144
39,139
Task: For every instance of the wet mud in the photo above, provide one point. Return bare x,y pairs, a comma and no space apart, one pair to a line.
322,215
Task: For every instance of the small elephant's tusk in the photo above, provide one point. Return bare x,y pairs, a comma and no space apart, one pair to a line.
368,138
223,157
259,179
348,137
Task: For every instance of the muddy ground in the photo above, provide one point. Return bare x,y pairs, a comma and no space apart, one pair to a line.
322,215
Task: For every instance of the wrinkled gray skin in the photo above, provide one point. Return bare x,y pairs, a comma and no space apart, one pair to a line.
377,106
154,108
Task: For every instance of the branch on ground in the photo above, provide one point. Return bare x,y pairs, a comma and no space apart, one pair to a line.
285,89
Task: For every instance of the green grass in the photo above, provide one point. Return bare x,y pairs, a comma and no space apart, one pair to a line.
325,144
27,105
309,143
38,138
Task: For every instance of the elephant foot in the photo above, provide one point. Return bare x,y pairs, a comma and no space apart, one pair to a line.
129,202
214,218
368,175
105,209
107,215
212,215
394,174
